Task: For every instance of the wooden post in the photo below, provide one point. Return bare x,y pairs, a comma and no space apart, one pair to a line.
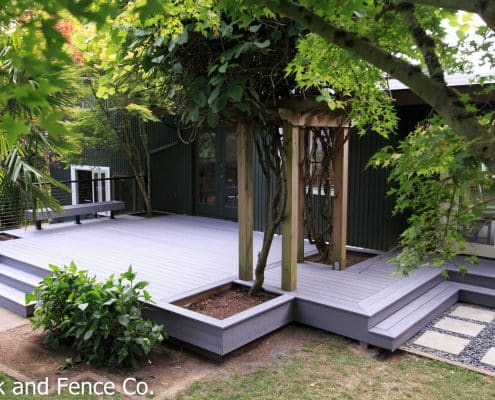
339,234
245,200
290,225
301,192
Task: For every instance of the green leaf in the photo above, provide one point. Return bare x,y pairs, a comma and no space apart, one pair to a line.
263,45
123,319
158,59
149,9
194,114
159,41
223,68
212,120
177,68
109,302
226,29
13,128
30,297
88,334
254,28
236,92
200,99
213,95
51,122
216,80
140,285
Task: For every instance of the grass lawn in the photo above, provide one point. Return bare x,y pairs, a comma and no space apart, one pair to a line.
335,368
330,367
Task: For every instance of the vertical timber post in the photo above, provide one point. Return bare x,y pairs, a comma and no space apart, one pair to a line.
339,233
301,194
245,200
290,226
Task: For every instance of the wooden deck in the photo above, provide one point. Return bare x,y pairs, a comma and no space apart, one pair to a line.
175,253
182,255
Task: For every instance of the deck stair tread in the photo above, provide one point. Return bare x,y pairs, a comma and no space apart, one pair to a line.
421,308
12,294
404,290
475,288
9,274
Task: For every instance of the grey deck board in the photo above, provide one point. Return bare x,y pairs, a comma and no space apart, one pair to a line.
181,255
174,253
178,253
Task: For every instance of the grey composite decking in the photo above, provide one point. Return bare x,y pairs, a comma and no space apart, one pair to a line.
183,255
176,254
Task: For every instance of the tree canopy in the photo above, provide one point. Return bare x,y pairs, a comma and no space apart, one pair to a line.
406,40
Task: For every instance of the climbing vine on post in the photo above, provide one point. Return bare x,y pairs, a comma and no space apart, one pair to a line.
320,147
270,152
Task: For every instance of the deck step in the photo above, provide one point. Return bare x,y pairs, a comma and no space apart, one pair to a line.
393,298
13,300
479,295
23,266
481,274
406,322
18,278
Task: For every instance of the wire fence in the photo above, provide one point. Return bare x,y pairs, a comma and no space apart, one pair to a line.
14,203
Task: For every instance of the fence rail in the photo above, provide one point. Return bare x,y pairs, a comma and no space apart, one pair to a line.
13,203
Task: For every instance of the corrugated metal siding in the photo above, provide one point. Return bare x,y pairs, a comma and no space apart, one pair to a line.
171,167
370,221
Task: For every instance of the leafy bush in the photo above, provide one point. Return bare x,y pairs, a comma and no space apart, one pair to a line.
437,181
101,320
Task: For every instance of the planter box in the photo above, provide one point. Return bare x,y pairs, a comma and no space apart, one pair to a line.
221,337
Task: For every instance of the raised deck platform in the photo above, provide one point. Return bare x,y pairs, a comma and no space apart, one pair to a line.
182,255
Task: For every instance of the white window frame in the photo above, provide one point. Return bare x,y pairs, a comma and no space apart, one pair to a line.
95,170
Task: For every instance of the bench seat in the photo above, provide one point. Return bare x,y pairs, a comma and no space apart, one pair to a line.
75,210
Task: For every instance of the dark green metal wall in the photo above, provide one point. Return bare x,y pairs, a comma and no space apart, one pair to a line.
171,166
370,221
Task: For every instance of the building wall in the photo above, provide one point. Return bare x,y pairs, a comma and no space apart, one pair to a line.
370,221
171,166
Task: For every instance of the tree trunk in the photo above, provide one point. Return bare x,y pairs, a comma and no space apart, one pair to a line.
323,139
270,154
147,195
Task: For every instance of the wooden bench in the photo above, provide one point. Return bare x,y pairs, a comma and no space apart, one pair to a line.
76,210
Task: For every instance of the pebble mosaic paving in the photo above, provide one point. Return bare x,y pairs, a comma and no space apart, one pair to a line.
465,334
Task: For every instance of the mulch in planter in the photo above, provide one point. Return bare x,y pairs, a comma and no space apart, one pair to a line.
5,236
229,302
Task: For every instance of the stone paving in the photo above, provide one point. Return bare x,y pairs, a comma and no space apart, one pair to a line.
465,334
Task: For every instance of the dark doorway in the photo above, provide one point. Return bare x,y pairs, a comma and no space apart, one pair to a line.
215,186
84,188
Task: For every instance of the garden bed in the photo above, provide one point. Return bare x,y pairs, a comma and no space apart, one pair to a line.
225,301
6,236
239,320
352,257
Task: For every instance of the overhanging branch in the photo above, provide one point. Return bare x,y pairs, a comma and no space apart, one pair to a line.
484,8
424,42
444,100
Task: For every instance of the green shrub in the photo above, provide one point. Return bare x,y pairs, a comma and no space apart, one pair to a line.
101,320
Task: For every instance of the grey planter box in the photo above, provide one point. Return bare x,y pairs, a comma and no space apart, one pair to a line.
221,337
